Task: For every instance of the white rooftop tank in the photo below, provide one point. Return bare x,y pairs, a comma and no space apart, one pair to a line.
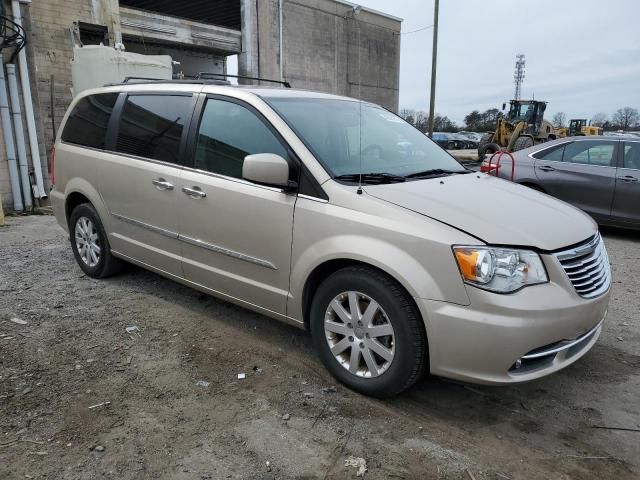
96,65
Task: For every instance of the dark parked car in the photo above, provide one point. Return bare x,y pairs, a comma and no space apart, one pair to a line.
598,175
454,141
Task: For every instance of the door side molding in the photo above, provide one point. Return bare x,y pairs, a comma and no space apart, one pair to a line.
198,243
153,228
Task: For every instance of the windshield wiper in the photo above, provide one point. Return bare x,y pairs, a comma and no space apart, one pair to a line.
375,178
436,172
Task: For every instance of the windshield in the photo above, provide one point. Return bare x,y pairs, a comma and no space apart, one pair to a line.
350,137
521,111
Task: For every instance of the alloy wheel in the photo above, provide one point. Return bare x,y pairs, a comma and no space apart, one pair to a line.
359,334
87,241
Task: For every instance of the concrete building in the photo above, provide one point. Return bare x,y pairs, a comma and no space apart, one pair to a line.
326,45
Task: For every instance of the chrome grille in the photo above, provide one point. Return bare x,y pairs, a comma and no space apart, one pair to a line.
587,266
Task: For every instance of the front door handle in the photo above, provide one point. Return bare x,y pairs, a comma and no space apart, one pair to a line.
546,168
628,178
194,192
162,184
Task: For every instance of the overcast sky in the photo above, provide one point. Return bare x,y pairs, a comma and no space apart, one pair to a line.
583,56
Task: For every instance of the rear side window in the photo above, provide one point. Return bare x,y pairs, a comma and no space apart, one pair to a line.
590,153
151,126
87,122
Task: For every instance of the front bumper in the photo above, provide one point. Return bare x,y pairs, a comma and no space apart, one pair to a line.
546,327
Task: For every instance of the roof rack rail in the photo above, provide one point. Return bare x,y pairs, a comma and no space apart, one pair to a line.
167,80
243,77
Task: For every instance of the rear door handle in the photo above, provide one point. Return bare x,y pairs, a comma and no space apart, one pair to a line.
546,168
628,178
162,184
194,192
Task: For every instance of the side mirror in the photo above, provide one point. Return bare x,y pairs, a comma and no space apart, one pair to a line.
504,105
267,169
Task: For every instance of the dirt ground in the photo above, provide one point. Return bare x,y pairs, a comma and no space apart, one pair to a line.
284,420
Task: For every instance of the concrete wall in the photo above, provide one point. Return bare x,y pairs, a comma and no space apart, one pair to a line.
325,47
50,50
170,30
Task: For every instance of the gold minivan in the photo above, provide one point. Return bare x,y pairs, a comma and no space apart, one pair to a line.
334,215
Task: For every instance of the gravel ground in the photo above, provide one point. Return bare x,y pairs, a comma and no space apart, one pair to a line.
178,410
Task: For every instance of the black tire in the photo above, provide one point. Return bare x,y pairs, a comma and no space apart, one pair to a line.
410,359
523,142
485,147
107,264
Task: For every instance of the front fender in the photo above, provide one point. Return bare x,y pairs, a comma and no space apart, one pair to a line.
411,272
365,250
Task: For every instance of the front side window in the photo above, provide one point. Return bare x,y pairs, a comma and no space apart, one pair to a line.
632,155
589,153
350,137
88,121
151,126
229,132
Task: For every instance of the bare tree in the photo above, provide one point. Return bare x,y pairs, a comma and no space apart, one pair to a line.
599,119
422,121
406,112
626,118
559,120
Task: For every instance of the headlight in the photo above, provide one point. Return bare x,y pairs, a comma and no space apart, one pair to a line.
500,269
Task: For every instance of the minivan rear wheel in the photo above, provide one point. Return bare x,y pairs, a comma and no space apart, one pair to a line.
90,244
368,332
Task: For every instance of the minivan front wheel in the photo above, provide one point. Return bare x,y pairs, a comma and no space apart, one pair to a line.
368,332
90,244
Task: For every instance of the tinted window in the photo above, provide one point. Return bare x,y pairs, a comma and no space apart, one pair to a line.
589,153
229,132
552,154
632,155
87,123
151,126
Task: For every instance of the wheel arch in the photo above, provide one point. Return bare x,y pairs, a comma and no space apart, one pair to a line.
325,269
72,201
80,191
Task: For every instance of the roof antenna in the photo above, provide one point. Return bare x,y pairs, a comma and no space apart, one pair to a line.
359,191
356,11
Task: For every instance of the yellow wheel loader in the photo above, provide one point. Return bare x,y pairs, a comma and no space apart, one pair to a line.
523,127
578,127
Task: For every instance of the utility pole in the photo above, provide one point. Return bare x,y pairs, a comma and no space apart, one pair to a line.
434,57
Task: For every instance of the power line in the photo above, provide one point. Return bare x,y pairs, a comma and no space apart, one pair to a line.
414,31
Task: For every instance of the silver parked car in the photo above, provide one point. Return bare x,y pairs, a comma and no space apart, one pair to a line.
333,215
600,175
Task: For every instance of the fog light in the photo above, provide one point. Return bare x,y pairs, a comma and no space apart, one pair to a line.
518,363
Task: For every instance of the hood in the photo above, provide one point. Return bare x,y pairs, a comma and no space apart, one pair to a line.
494,210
